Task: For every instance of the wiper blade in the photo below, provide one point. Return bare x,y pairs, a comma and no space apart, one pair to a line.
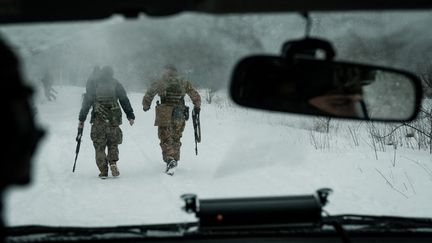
368,222
19,233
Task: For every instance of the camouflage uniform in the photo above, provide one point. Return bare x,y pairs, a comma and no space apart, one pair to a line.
103,95
171,112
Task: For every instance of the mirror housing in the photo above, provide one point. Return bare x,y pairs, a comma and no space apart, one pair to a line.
306,85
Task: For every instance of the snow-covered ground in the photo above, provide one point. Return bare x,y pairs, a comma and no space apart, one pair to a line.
243,153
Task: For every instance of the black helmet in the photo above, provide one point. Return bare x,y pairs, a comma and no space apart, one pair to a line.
107,72
170,67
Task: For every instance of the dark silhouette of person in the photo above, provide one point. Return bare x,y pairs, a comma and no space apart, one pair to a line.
20,136
49,91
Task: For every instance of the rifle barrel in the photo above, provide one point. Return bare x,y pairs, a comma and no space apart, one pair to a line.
76,157
197,129
78,139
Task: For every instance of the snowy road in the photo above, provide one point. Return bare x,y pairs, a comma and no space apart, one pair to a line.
243,153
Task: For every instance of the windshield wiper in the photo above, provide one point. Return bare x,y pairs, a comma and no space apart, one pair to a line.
345,227
352,222
47,233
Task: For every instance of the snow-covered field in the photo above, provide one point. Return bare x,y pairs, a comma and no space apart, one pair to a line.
243,153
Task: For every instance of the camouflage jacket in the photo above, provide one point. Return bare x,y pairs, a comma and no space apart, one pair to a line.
89,100
161,88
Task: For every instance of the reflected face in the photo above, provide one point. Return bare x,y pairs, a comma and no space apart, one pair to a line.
340,105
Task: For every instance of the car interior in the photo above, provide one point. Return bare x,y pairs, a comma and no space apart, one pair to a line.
305,77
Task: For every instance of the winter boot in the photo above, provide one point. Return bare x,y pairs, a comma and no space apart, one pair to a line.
171,167
103,174
103,168
114,170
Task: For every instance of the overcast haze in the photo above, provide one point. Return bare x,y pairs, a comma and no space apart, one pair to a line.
205,48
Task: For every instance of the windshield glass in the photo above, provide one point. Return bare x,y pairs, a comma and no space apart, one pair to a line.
373,168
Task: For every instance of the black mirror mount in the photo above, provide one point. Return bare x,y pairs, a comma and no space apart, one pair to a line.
307,47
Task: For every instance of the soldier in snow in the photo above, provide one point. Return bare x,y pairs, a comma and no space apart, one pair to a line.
49,91
171,112
103,94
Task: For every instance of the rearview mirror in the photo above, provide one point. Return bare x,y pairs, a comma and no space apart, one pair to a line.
326,88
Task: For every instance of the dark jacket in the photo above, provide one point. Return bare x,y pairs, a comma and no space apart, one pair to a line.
90,97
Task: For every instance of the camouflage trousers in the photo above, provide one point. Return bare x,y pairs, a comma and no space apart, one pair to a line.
170,140
104,135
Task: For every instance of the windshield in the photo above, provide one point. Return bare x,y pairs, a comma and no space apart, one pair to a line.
373,168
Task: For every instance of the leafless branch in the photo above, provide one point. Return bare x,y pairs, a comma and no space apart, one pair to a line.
391,185
410,182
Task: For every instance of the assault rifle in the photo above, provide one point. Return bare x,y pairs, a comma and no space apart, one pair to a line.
78,139
197,127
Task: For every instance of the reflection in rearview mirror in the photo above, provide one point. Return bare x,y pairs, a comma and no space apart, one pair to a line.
326,88
392,96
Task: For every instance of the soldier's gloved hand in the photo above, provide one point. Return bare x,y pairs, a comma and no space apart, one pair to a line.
145,108
197,109
131,121
80,124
